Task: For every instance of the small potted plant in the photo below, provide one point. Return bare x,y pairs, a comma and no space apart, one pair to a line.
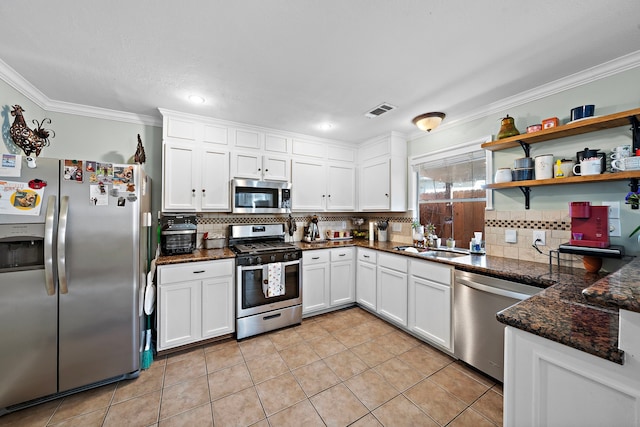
418,233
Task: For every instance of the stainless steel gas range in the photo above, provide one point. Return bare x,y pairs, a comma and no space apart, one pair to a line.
268,279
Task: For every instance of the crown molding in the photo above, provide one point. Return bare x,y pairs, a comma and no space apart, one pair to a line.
607,69
19,83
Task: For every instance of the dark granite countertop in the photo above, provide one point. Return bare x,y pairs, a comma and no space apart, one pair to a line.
620,289
575,308
197,255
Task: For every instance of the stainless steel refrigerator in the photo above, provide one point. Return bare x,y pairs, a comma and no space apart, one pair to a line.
73,260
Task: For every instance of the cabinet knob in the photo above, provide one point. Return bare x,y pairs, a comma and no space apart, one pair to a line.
386,194
203,190
259,169
193,191
266,170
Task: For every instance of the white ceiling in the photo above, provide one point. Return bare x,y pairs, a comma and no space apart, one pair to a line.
293,64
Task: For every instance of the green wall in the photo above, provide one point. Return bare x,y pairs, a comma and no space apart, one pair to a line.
86,138
610,94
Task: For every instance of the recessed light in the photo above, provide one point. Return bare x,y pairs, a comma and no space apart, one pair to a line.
326,126
196,99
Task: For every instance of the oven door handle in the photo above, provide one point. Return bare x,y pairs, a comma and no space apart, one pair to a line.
492,289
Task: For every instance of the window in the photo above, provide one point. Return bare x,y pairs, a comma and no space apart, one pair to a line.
450,192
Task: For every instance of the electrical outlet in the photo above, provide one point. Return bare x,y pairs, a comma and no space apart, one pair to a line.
539,237
344,225
614,227
396,227
510,236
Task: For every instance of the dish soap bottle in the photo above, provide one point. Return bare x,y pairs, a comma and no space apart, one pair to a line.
559,173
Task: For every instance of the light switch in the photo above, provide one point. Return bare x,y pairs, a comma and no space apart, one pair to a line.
614,209
510,236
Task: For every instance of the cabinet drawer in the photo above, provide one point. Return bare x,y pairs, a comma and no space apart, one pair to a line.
315,257
432,271
194,270
367,255
341,254
394,262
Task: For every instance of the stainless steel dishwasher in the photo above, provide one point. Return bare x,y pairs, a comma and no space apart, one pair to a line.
478,336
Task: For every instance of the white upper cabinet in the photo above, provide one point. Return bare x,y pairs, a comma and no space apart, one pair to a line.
263,167
383,174
323,177
195,177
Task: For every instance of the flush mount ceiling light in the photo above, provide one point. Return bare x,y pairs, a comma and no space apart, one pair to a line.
196,99
326,126
428,121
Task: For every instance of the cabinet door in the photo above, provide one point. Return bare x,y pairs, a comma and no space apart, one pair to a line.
276,168
374,186
341,188
246,165
315,287
180,169
178,314
392,295
342,282
430,311
218,307
215,180
366,285
308,185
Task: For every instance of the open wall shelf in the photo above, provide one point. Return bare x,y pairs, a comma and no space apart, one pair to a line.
624,118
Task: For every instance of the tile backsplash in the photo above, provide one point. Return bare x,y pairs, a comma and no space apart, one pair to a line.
556,224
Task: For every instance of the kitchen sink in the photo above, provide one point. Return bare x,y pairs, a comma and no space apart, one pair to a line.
433,252
443,253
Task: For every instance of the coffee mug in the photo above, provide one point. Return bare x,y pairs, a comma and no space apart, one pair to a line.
588,167
626,163
621,151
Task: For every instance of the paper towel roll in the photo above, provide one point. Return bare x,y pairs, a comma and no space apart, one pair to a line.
371,235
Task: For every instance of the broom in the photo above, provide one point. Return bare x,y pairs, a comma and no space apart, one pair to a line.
146,358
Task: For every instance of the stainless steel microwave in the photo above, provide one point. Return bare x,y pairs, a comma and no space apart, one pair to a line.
253,196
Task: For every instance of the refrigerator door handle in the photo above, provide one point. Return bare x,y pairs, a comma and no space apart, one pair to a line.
49,222
62,241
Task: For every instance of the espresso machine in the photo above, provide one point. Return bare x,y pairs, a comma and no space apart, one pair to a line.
589,225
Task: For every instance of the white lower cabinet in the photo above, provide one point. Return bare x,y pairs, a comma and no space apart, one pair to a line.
195,302
328,279
430,302
315,280
392,287
366,275
343,274
551,384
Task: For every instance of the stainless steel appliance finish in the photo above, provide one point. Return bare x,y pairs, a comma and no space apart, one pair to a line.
253,196
478,336
258,247
70,280
178,234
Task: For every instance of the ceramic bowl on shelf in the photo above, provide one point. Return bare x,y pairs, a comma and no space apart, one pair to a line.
522,174
523,162
503,175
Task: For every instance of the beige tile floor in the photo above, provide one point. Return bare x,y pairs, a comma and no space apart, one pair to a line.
342,368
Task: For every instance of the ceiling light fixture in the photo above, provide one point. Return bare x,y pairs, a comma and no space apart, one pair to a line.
196,99
428,121
326,126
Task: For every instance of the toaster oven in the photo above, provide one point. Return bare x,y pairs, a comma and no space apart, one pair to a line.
178,234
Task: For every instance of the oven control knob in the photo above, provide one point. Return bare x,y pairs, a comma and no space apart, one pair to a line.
273,258
285,256
258,260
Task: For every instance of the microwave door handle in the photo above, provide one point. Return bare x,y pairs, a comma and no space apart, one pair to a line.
62,243
49,223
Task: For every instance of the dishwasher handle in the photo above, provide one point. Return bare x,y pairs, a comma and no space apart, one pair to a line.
492,289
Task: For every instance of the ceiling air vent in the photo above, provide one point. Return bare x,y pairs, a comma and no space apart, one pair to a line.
380,110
